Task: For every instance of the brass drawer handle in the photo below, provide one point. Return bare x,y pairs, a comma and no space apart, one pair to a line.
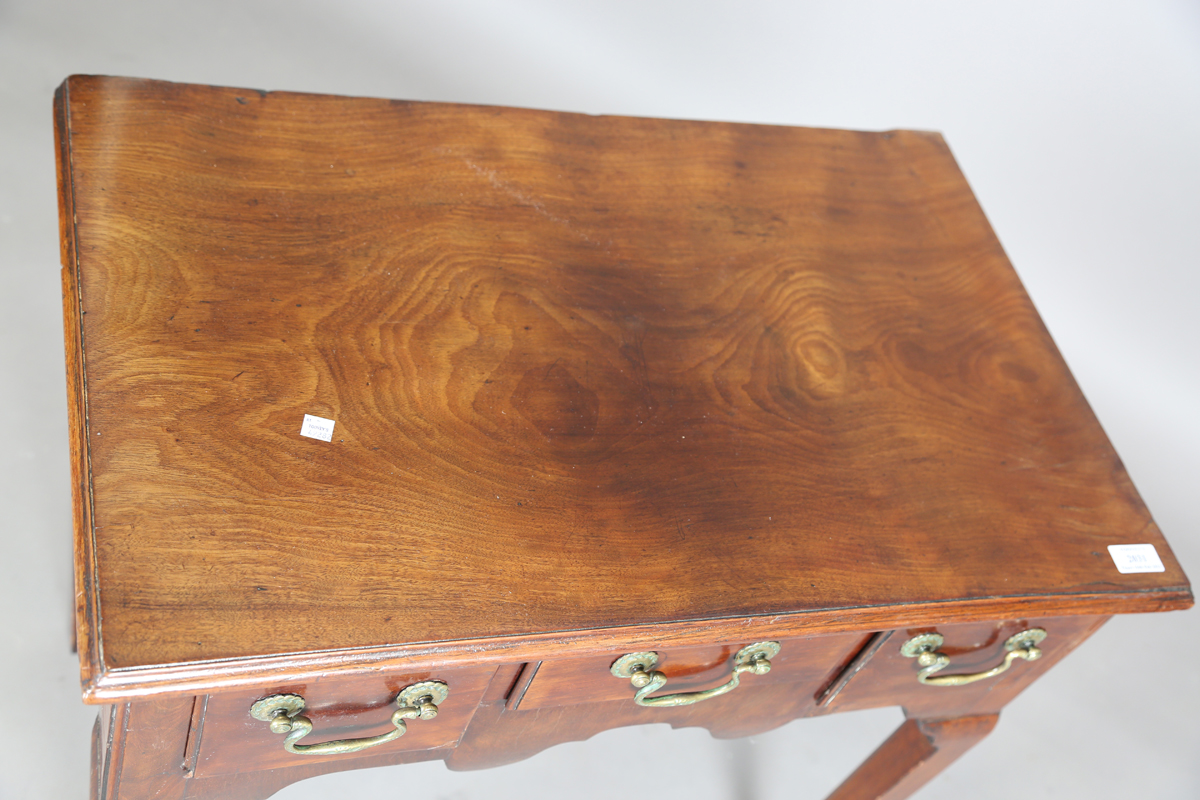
639,669
419,701
924,649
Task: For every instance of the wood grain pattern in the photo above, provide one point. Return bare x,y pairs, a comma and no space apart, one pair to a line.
588,374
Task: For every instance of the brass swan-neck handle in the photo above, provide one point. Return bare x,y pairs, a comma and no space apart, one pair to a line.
638,668
924,648
282,711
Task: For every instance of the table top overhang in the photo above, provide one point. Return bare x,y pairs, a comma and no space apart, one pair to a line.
586,373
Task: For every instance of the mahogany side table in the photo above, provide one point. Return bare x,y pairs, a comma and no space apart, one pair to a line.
406,431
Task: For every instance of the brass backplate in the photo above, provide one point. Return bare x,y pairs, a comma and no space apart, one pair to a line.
750,652
1025,639
924,643
266,708
626,665
410,696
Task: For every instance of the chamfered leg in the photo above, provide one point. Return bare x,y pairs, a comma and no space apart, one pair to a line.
914,754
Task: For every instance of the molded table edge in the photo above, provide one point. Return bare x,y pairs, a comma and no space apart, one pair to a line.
122,684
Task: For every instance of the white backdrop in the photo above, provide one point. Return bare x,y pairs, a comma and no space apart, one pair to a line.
1078,125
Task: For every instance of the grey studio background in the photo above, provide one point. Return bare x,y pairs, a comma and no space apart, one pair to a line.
1078,125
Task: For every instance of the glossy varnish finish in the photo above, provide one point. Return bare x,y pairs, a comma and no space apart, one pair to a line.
972,648
804,664
500,734
600,385
342,709
586,372
209,747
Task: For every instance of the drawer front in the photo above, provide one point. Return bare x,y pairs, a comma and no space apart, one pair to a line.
886,676
340,708
809,663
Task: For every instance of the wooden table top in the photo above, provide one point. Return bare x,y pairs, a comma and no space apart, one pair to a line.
586,373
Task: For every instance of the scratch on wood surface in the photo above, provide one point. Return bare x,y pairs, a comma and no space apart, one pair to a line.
524,199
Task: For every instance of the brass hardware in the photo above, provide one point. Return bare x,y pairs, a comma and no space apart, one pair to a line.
639,669
924,649
419,701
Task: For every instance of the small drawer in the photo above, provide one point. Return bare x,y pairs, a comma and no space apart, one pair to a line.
973,678
231,740
809,663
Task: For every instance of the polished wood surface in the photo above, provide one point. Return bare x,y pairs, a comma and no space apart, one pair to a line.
600,385
142,749
501,734
339,709
805,664
972,648
207,746
255,672
586,373
890,678
498,735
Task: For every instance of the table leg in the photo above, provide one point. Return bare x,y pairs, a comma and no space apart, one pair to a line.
139,751
913,755
97,760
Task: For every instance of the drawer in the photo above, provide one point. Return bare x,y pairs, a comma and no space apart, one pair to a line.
340,708
885,675
810,663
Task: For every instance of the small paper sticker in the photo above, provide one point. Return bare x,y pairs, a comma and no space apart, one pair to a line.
1135,558
317,428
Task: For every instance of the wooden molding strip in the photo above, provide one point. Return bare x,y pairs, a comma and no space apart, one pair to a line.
264,671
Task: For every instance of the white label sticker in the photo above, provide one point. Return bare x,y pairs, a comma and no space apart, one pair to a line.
317,428
1135,558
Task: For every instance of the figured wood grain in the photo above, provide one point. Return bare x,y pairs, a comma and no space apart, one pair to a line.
587,373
